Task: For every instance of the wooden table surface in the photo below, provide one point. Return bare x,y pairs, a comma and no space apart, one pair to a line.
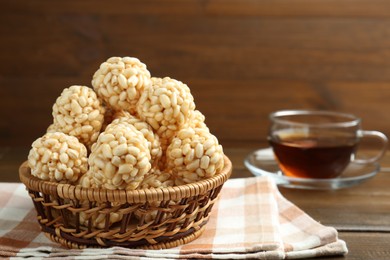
359,213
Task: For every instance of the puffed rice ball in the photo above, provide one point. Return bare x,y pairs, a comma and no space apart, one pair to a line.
120,158
193,155
78,112
196,120
157,179
51,128
166,105
58,157
87,180
120,81
154,145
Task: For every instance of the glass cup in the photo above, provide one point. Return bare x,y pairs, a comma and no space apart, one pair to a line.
318,144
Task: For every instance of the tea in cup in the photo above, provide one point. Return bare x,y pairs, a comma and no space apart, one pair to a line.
318,144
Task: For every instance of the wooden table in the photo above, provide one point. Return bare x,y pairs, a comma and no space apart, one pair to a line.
360,213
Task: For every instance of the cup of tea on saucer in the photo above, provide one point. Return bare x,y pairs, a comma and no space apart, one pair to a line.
319,144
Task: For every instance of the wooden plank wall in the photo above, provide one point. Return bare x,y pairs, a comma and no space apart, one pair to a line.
241,58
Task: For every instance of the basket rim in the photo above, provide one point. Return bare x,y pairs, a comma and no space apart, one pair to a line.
69,191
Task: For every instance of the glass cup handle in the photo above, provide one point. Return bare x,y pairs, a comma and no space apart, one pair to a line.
374,134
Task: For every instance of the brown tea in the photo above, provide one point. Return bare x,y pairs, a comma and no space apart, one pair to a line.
313,157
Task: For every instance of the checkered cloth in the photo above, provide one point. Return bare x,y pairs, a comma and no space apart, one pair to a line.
251,220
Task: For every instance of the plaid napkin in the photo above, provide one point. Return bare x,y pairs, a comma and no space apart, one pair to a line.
251,220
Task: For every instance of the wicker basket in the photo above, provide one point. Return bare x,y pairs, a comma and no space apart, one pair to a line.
150,218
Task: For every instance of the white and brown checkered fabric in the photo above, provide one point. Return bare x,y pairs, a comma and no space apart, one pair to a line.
251,220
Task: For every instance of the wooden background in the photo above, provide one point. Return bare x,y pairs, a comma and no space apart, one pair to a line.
242,59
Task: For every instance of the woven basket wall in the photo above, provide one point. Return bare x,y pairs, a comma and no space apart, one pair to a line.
149,218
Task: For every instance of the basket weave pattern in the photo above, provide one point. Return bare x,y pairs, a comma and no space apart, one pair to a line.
150,218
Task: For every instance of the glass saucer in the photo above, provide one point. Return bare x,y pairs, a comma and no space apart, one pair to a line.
263,163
